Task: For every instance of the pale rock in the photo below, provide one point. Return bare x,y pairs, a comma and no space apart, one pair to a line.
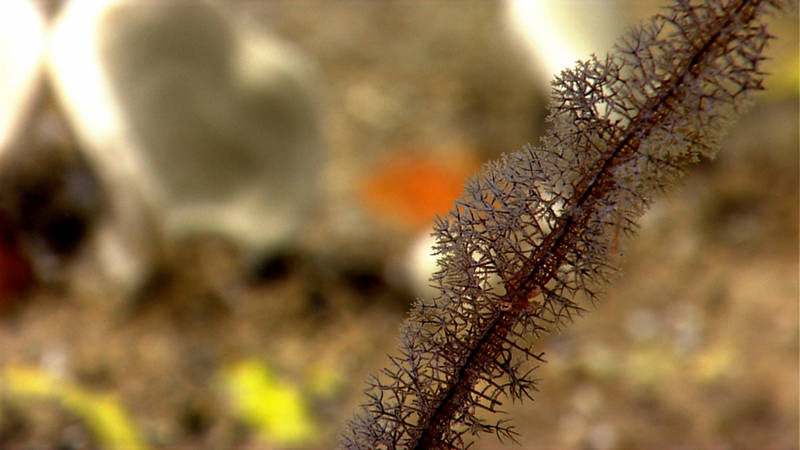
558,33
22,40
197,123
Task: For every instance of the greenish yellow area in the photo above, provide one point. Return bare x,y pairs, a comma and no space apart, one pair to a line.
601,362
102,414
648,364
273,407
323,381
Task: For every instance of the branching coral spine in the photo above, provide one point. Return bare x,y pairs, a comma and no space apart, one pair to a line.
532,234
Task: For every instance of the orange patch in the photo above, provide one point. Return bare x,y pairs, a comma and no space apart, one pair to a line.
412,190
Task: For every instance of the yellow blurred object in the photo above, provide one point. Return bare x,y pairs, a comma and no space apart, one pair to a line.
785,80
714,363
783,66
275,408
102,414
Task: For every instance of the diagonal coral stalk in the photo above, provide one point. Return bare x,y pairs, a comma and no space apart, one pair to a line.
530,239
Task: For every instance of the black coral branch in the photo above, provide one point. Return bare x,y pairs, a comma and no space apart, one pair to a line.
530,239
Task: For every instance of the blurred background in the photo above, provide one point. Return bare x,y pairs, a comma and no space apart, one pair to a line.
215,215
